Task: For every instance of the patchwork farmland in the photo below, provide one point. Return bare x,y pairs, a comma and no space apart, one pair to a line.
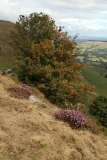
93,53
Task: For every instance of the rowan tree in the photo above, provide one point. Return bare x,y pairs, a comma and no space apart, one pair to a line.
46,57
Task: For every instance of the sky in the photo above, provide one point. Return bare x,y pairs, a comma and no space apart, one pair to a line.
82,17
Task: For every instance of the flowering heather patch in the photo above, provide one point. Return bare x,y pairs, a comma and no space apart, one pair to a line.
73,117
20,92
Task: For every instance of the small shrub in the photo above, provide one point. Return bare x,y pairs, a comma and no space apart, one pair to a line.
104,129
92,126
106,75
73,117
99,109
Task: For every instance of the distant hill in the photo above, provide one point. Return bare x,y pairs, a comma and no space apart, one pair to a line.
6,49
81,39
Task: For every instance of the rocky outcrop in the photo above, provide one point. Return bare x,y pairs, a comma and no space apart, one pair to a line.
7,72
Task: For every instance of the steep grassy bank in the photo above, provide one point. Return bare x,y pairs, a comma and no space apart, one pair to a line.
30,131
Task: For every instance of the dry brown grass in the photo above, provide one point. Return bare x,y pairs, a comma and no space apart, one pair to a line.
30,131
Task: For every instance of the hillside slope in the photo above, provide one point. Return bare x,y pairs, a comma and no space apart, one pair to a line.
94,77
6,49
30,131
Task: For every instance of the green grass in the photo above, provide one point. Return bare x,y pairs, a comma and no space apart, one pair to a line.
92,46
6,49
3,66
94,78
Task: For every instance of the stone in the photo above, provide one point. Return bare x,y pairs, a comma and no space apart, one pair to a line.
6,72
2,71
34,99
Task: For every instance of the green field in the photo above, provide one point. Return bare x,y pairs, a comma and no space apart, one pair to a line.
93,45
95,78
95,53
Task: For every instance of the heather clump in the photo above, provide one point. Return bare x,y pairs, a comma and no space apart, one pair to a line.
77,120
21,92
73,117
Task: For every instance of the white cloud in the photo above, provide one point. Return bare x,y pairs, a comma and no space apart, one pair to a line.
84,17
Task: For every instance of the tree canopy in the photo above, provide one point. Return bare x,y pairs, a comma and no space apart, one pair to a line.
46,57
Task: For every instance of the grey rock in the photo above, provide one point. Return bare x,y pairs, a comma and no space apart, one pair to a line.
34,99
2,71
6,72
11,74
